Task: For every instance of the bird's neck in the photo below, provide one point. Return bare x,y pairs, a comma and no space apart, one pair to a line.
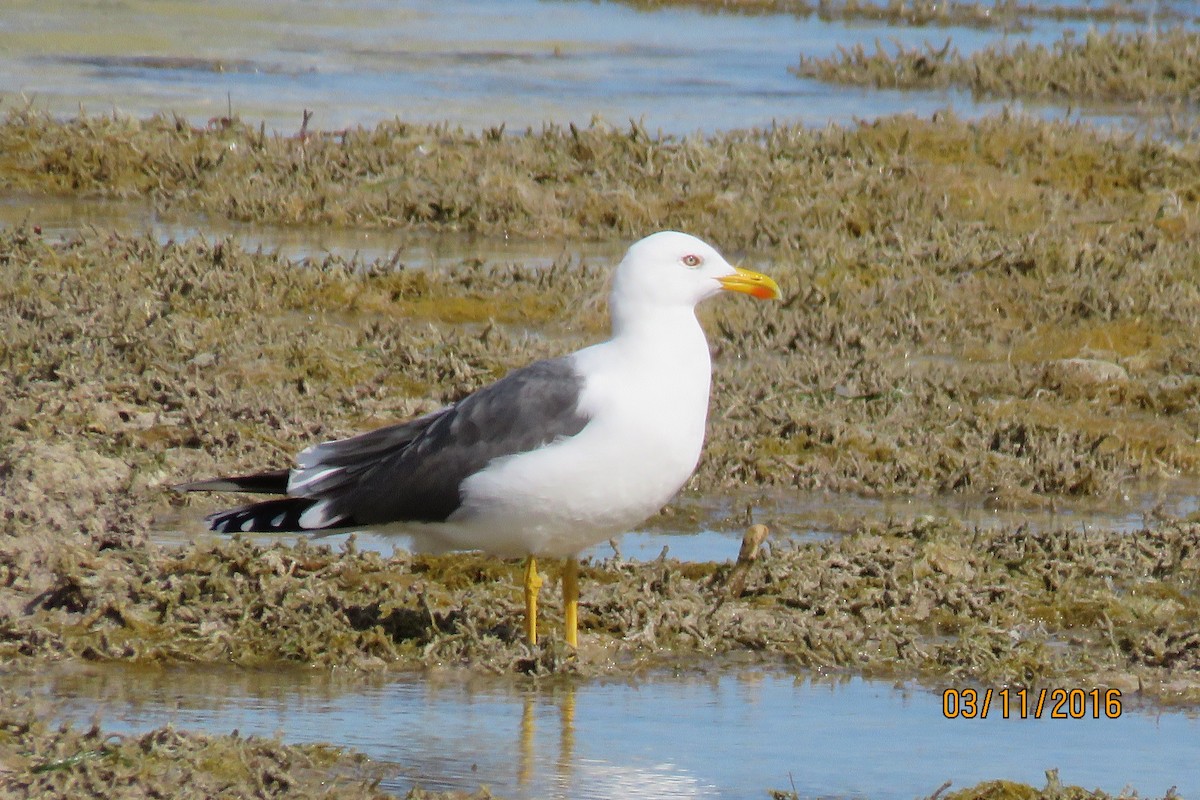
672,330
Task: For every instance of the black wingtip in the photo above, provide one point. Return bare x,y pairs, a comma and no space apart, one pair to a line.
270,516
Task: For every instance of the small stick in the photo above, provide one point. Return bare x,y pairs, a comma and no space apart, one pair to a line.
754,537
940,789
304,125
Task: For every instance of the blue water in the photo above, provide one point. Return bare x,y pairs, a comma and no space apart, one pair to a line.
475,64
734,734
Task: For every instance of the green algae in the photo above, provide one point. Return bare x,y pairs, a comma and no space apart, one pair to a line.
1008,790
785,186
1009,15
1114,66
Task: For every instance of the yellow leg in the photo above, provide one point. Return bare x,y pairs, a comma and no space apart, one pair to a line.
570,587
533,582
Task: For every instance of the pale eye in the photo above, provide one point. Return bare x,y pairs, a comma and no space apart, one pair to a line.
692,261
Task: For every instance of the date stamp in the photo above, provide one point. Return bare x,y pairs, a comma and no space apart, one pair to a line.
1032,703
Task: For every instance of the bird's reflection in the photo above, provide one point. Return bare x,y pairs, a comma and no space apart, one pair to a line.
564,696
458,732
566,742
525,759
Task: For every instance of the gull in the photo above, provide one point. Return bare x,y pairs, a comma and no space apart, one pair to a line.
554,457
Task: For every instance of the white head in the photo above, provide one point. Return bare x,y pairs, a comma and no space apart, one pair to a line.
675,270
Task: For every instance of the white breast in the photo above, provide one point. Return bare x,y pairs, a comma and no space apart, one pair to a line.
648,403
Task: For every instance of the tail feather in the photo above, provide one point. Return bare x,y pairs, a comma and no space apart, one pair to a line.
281,515
270,516
273,482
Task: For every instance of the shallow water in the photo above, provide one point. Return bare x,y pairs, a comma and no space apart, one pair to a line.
520,62
792,516
60,218
737,733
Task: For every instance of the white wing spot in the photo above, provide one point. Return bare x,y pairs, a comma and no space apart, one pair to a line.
316,516
248,524
278,521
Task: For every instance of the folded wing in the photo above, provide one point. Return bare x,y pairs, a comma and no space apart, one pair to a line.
411,471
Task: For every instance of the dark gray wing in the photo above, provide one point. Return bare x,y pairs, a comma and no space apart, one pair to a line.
412,472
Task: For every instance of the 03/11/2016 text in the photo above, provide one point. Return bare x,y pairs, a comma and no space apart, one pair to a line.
1032,703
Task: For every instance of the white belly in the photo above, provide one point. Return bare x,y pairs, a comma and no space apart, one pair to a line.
568,496
641,446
